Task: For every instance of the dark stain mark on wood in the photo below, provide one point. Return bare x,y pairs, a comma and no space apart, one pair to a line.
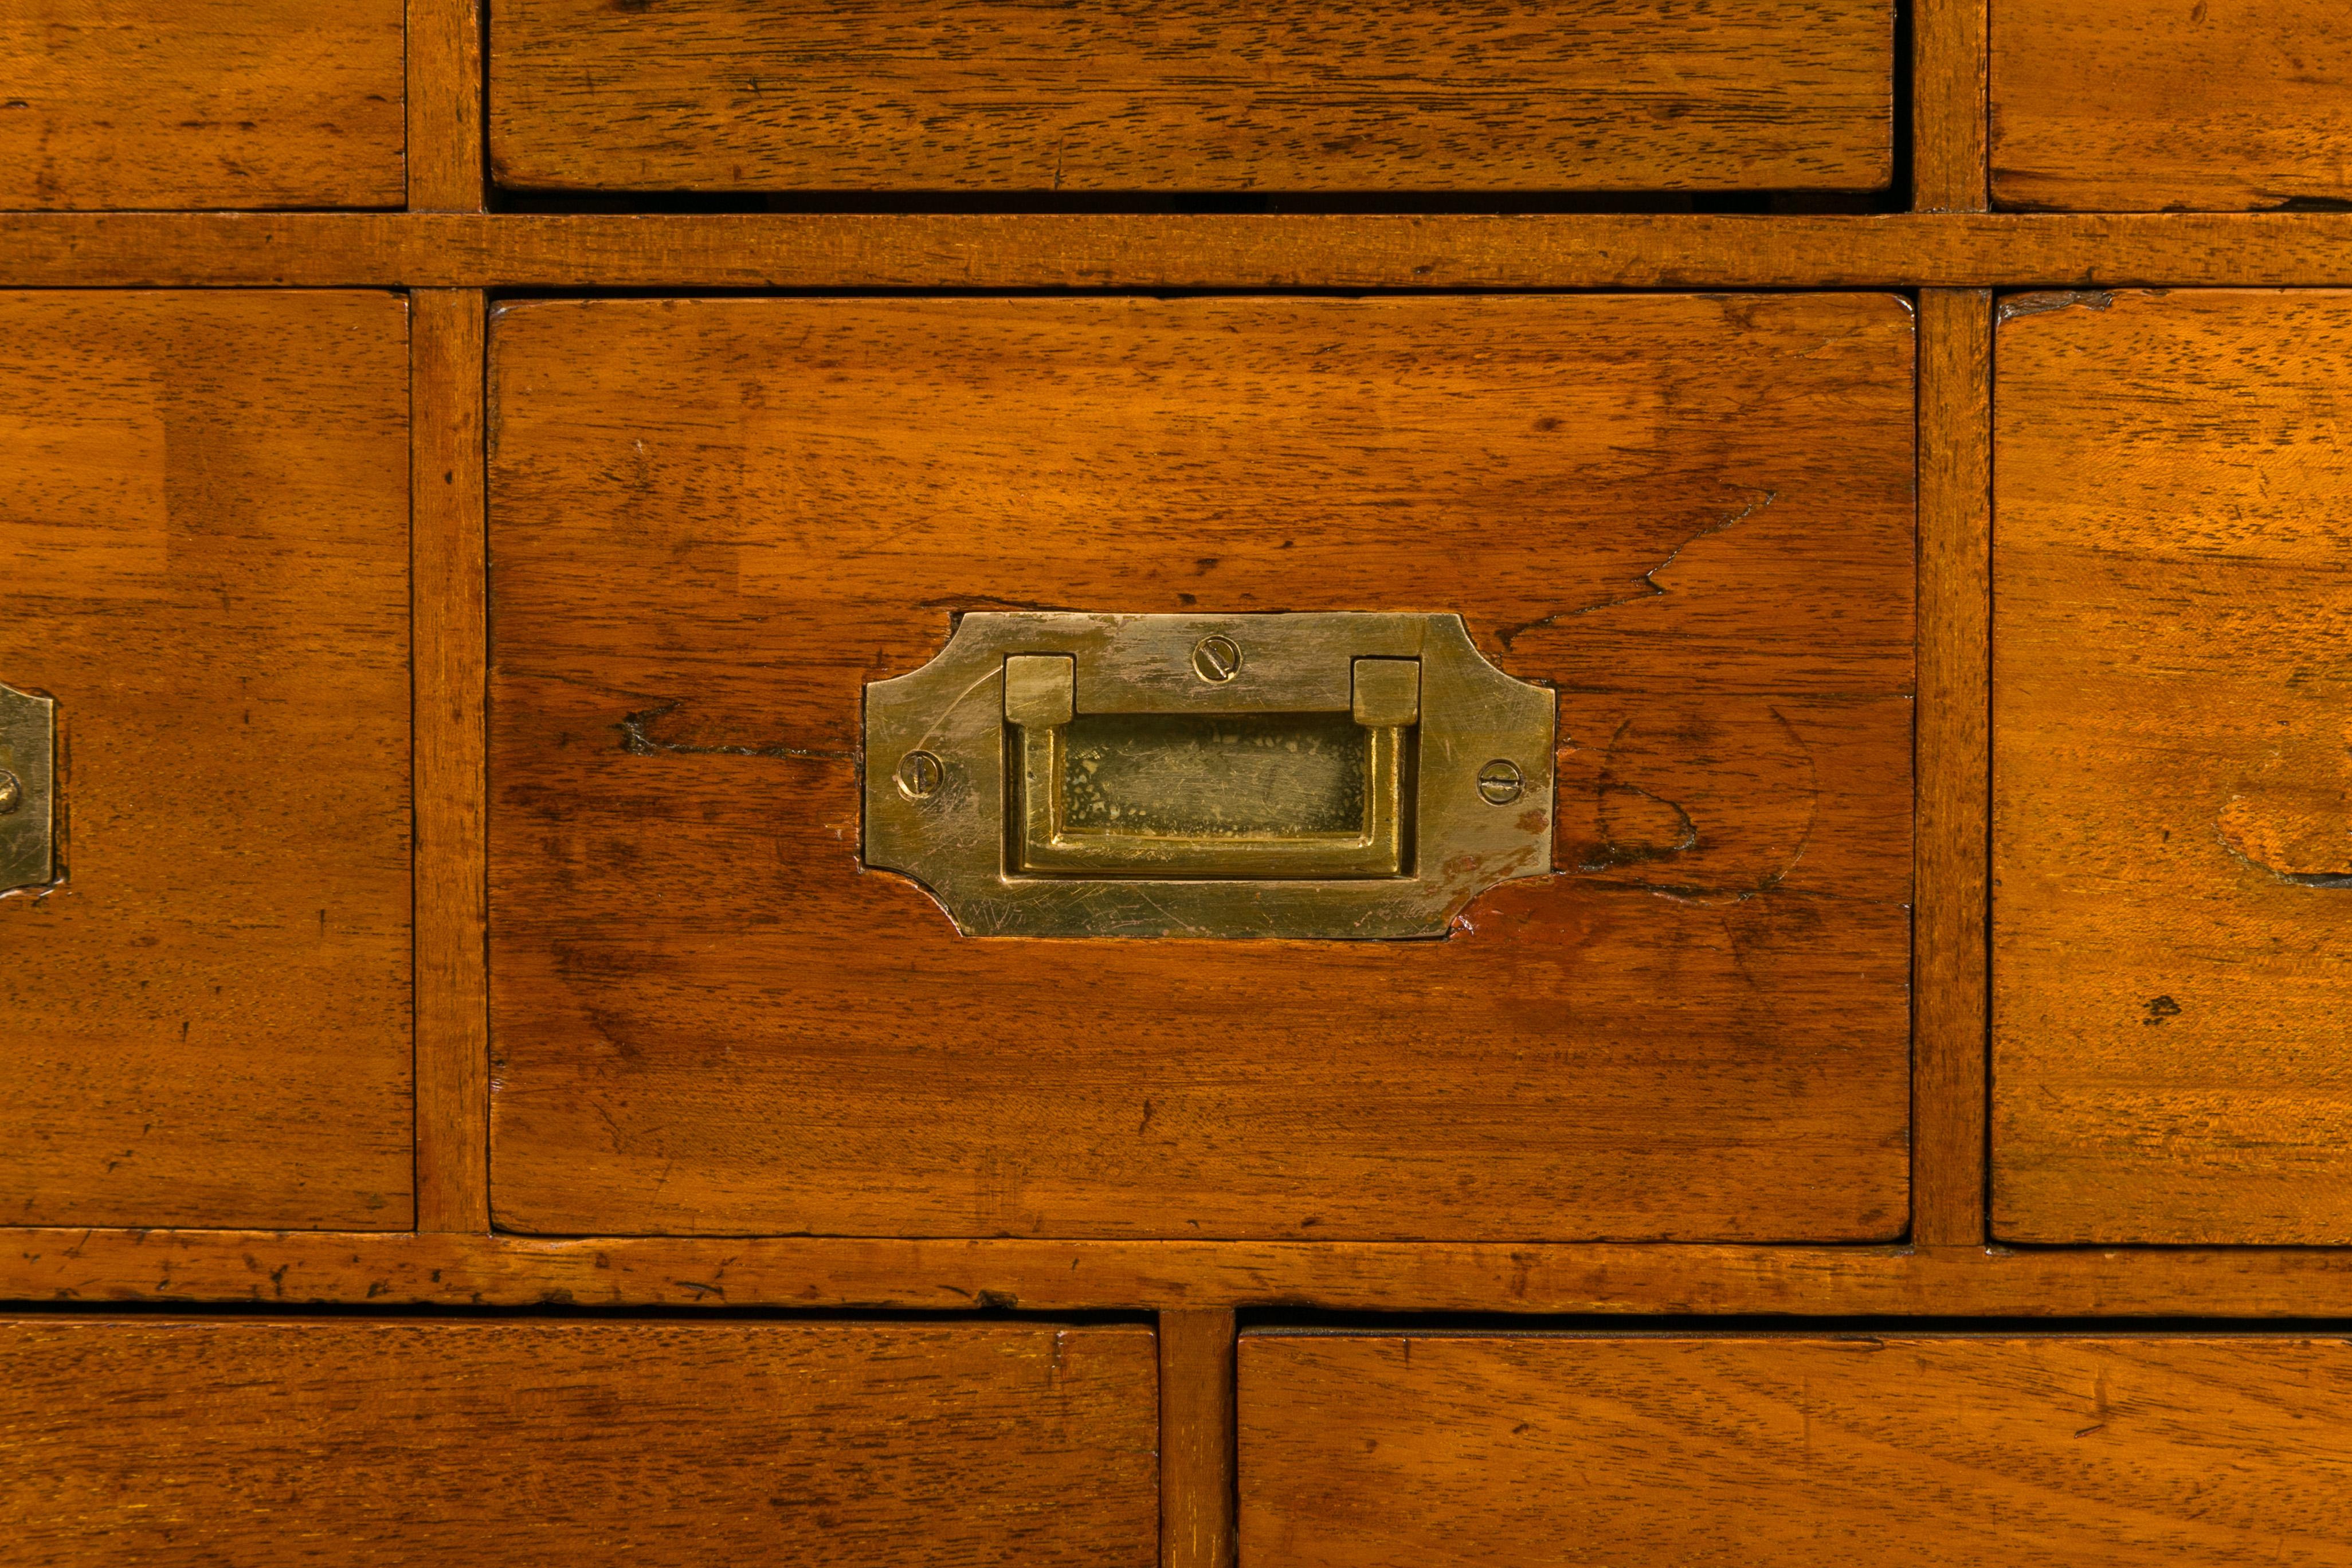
1651,587
2036,304
638,740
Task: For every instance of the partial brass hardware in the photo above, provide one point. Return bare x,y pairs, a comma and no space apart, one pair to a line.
28,758
1298,775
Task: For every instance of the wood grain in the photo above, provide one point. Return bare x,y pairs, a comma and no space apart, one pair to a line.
682,251
845,1273
446,344
1204,95
1950,109
445,106
2144,105
204,539
714,520
1372,1450
259,1442
1196,1439
2172,845
1948,1084
199,103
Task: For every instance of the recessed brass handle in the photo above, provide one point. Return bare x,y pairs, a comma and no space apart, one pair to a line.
1353,775
1174,825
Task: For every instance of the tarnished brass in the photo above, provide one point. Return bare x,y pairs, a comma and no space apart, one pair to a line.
1182,796
1297,775
28,765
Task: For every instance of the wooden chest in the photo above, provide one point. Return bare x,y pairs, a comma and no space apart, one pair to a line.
1277,785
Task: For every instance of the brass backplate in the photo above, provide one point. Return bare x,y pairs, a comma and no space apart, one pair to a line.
28,776
1329,775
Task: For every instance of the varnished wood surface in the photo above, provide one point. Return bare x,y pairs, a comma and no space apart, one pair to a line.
1949,61
445,106
2172,700
448,335
713,521
508,1444
1386,1450
1196,1439
204,538
201,104
838,251
2147,105
849,1273
1202,95
1948,1070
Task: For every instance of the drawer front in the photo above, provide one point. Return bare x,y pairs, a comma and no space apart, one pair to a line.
258,1443
202,103
2172,701
980,95
205,538
714,522
1368,1450
2154,106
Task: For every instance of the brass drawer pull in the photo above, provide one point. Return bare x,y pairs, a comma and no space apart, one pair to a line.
1321,775
28,756
1183,837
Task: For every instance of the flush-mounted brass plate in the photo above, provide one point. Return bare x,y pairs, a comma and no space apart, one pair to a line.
1306,775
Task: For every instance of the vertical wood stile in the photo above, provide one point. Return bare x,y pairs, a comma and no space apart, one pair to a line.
1948,1087
450,633
1196,1439
445,106
1950,106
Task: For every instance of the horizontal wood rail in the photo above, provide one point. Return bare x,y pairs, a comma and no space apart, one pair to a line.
1016,251
240,1267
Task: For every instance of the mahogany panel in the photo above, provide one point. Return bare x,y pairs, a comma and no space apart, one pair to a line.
259,1442
1372,1450
1361,252
201,104
2148,105
445,106
447,342
858,1273
2172,787
1196,1439
1953,757
713,520
204,539
1949,108
1197,95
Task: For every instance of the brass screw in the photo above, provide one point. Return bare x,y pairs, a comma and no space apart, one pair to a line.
1500,781
1216,659
12,791
920,774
